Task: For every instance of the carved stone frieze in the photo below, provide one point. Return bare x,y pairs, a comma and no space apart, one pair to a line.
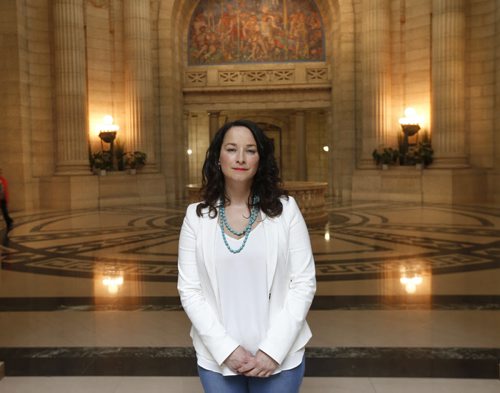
263,77
196,78
317,74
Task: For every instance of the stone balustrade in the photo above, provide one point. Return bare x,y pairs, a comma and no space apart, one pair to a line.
310,197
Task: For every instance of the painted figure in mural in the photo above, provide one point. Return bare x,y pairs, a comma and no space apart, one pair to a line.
257,45
228,33
298,35
246,270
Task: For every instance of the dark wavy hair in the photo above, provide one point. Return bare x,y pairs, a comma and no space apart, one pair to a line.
266,184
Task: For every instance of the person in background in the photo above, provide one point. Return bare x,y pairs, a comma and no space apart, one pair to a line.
246,270
4,200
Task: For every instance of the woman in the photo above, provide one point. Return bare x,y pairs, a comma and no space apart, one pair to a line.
246,270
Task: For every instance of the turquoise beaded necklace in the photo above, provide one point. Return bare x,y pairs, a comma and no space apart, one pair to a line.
246,231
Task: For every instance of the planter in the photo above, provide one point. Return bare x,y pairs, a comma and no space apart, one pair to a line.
385,167
419,167
101,172
132,171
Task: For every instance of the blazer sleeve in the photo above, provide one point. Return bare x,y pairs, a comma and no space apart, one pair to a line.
194,302
286,325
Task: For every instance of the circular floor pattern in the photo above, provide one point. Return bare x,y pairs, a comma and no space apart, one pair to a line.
360,241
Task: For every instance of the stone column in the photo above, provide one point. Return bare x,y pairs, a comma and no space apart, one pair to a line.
70,88
494,177
213,124
300,132
376,75
448,79
139,78
496,153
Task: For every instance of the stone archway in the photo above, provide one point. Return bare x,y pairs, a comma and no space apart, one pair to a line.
264,88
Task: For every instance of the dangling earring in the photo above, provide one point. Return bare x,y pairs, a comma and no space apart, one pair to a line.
218,165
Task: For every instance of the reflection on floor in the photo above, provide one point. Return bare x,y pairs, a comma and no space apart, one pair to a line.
404,290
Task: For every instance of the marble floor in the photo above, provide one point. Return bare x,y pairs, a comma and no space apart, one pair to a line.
408,300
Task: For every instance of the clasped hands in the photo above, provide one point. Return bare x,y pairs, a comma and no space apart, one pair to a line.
243,362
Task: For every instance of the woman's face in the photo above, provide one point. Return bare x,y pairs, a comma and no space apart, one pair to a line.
239,157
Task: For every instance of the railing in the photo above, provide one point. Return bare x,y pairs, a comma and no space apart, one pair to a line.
310,197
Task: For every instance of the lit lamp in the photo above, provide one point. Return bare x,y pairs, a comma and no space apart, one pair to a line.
410,125
107,133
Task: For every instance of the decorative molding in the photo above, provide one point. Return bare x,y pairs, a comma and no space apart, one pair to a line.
317,74
283,75
198,78
253,77
230,77
257,77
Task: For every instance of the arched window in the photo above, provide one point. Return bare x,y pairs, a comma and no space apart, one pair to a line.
251,31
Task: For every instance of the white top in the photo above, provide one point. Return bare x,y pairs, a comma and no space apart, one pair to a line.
243,288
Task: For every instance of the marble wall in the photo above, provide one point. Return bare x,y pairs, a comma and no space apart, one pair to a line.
380,57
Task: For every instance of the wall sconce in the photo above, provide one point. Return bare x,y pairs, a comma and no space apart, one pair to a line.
410,125
107,133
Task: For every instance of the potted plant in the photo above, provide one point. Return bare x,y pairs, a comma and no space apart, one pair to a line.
423,155
385,156
135,160
101,161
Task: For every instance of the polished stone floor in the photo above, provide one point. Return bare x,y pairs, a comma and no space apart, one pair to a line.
408,300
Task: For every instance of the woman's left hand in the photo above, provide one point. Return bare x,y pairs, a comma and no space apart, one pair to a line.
262,366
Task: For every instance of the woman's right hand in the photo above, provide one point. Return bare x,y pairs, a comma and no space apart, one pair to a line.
238,358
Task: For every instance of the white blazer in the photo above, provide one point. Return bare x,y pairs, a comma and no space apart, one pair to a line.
290,278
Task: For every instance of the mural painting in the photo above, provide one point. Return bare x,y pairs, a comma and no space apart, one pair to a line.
255,31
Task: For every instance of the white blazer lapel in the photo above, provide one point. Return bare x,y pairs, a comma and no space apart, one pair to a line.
209,232
271,231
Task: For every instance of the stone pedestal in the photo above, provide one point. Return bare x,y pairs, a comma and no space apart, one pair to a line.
93,192
407,184
121,189
454,186
395,184
68,192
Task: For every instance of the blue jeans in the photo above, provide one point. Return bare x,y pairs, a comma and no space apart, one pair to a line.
287,381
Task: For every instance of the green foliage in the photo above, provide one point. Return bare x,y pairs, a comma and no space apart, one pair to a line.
136,160
385,155
425,153
102,160
421,154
